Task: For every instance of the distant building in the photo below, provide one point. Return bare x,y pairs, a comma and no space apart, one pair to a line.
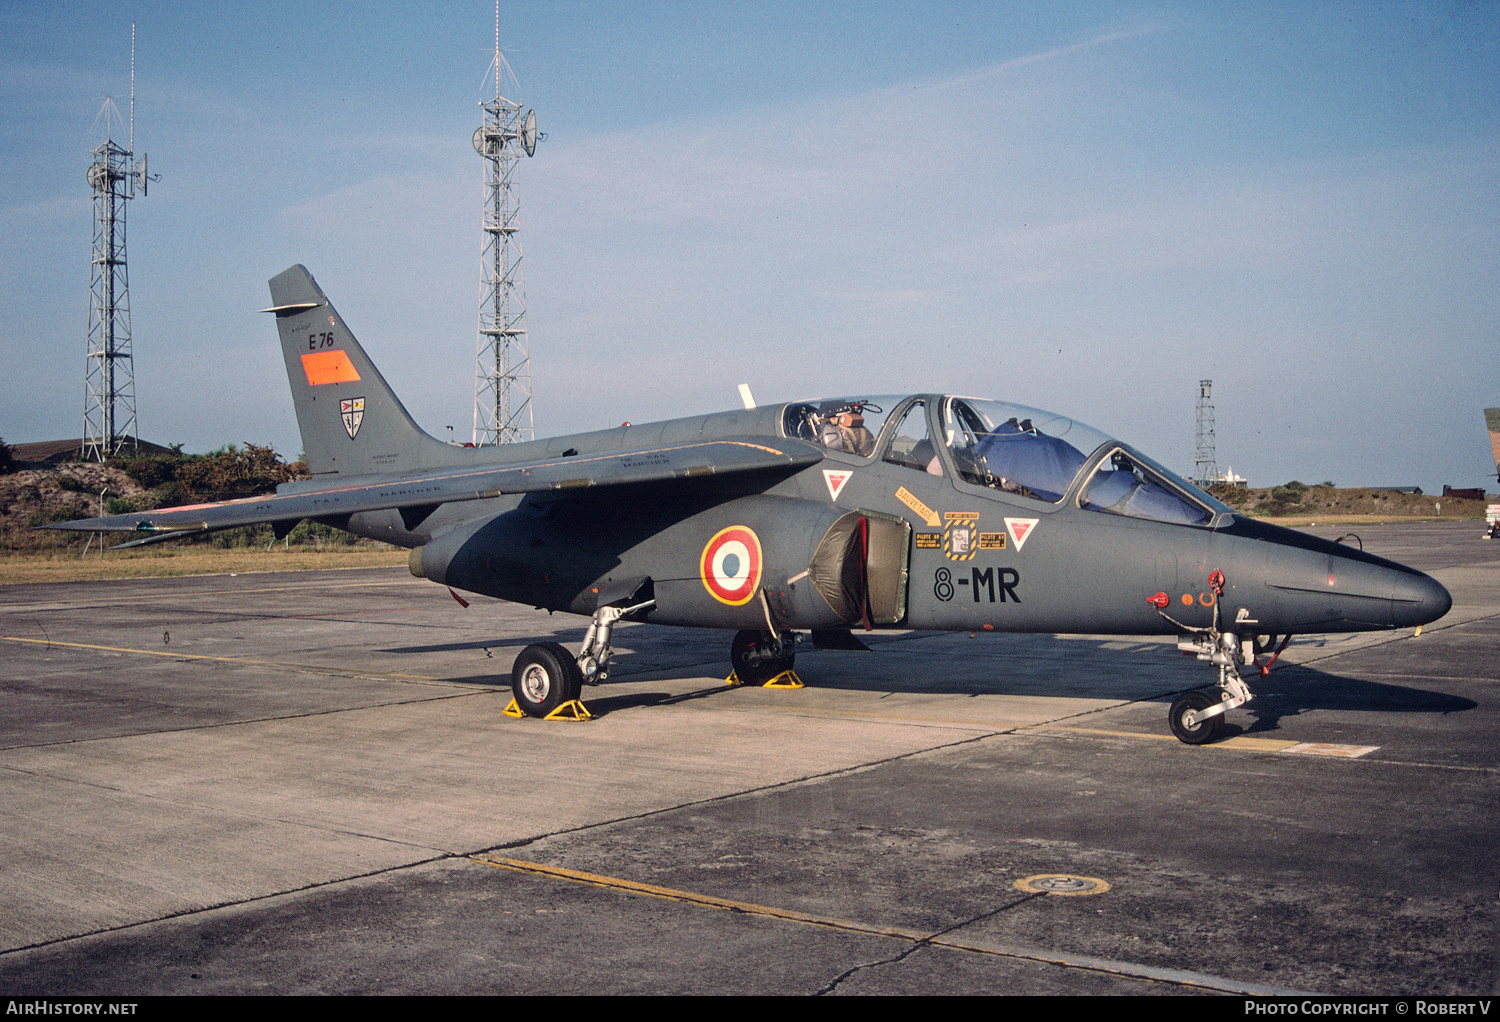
56,452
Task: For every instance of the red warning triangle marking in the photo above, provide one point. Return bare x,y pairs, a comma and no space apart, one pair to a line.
1020,529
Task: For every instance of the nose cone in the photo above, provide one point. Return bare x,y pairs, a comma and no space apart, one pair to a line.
1373,592
1305,584
1384,593
1418,599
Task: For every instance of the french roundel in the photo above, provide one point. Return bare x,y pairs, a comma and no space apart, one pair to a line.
731,564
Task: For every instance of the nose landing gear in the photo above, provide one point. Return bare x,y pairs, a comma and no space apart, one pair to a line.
1195,718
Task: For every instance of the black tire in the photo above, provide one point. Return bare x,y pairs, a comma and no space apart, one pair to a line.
756,672
1204,731
545,676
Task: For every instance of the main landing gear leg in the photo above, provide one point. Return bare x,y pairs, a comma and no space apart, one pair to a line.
761,658
547,681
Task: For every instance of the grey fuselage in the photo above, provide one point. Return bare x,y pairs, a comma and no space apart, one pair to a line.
1071,569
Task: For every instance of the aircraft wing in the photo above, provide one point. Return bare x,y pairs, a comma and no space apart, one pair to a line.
699,459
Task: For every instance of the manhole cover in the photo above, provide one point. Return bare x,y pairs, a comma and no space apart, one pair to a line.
1061,883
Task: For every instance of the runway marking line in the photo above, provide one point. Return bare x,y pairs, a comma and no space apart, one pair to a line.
218,659
1238,742
1332,749
1130,970
691,897
98,598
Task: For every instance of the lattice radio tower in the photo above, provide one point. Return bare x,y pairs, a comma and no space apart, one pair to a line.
109,376
1205,461
502,384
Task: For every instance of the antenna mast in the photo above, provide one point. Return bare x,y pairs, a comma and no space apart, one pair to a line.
502,385
1205,460
109,423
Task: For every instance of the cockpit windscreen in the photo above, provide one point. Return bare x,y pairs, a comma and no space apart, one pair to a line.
1130,484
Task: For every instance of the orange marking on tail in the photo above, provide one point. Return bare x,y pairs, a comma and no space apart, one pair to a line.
328,367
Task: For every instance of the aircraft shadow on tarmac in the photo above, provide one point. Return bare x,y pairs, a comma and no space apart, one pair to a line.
1296,689
482,645
1122,669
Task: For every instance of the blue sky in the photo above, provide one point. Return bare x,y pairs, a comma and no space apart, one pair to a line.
1082,207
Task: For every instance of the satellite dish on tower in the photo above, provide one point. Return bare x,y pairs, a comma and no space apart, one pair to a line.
140,174
528,133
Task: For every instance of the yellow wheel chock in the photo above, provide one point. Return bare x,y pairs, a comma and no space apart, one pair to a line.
573,709
786,679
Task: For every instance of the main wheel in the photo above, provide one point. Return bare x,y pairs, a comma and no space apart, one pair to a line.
544,677
752,669
1204,730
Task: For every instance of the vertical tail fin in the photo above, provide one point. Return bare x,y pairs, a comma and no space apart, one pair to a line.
352,423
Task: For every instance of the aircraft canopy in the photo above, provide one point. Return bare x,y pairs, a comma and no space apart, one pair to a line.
1009,447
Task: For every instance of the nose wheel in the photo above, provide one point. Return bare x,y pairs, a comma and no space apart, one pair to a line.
1189,723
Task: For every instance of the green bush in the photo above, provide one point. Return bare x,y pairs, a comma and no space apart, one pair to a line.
246,536
150,500
154,470
319,534
228,473
170,494
1229,493
45,517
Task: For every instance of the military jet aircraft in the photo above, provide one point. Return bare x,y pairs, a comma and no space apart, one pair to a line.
924,511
